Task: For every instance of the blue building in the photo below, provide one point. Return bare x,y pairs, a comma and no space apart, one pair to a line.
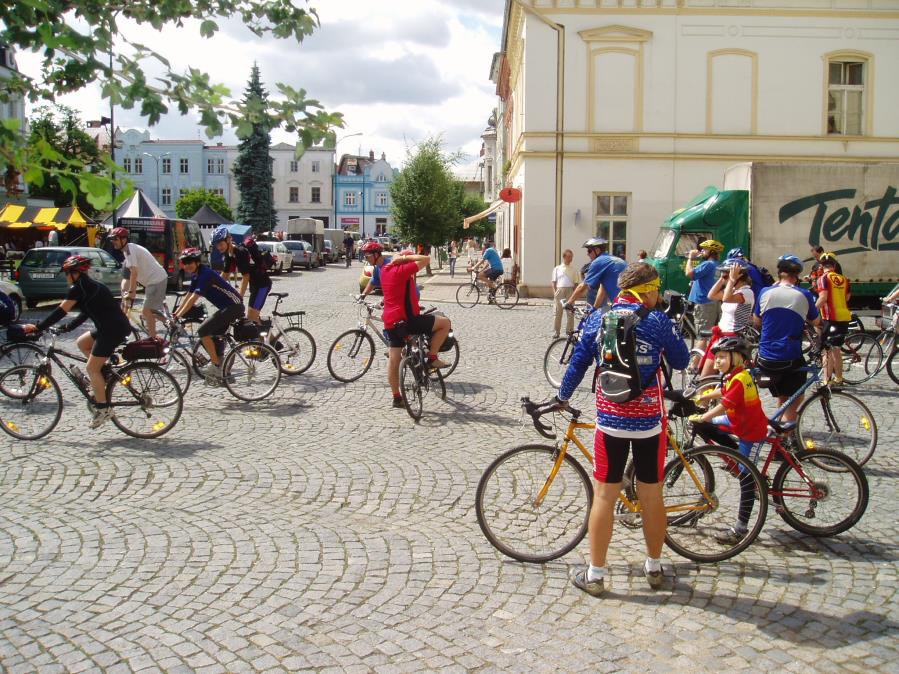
362,194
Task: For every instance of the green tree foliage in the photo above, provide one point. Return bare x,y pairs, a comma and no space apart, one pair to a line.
481,229
253,168
192,201
57,130
76,40
426,198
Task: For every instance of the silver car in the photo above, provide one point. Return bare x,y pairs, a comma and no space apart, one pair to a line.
40,274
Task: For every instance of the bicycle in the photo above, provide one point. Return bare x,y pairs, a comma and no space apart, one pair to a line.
533,501
146,401
417,377
558,353
680,310
352,353
862,354
173,359
504,294
294,344
889,324
690,375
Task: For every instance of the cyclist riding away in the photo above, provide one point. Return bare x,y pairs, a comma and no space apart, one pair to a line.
705,309
206,283
489,268
833,296
111,327
141,267
250,262
401,313
600,277
637,426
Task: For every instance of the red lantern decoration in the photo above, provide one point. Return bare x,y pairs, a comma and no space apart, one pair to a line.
510,194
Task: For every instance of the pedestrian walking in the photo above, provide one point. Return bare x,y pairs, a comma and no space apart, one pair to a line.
453,254
564,278
348,247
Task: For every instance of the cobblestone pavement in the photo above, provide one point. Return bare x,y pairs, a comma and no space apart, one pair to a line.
323,530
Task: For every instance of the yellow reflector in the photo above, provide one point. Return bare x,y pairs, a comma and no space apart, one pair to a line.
12,426
126,379
810,444
159,425
866,424
289,367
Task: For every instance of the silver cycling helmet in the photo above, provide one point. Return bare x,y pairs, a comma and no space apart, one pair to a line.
594,242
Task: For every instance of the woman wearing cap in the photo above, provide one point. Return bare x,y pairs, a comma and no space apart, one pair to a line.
734,291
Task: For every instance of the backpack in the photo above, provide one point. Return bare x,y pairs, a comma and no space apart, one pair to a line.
258,255
618,374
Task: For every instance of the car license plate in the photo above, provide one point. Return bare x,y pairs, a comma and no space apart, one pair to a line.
42,275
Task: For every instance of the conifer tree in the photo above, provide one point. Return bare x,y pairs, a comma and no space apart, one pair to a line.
253,168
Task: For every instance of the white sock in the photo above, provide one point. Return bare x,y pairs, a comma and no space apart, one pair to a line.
596,573
653,565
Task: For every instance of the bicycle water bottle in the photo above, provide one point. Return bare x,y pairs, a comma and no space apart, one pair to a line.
80,377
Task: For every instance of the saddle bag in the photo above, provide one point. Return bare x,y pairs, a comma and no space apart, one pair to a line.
245,329
144,349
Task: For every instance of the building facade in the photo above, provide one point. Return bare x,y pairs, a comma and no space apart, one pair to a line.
362,194
303,186
613,114
13,109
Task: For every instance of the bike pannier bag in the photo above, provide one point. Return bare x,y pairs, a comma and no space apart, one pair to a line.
246,329
144,349
448,343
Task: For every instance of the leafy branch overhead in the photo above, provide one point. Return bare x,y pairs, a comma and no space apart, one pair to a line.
76,40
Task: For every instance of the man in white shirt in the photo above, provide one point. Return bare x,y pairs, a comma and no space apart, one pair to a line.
565,278
141,267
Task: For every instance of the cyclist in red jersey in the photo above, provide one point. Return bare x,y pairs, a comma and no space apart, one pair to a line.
833,297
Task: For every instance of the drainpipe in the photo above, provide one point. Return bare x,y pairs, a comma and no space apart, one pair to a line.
560,116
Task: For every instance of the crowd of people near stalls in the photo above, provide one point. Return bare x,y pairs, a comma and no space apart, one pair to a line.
14,247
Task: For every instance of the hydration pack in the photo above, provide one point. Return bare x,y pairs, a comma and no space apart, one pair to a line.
618,373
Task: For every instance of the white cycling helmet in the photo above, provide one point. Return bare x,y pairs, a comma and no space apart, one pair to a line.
594,242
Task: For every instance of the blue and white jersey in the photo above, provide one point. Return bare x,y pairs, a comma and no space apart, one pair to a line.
784,309
214,288
603,271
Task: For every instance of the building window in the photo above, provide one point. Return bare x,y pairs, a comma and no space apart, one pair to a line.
381,178
166,196
218,190
215,166
166,164
294,166
611,221
316,166
294,195
126,164
381,198
185,165
349,198
846,96
138,165
316,195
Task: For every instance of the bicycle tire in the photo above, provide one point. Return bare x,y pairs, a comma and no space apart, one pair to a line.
199,358
355,348
16,355
862,357
701,533
468,295
296,350
454,359
151,393
411,388
556,359
31,404
506,512
887,341
251,371
837,420
830,482
506,296
893,370
175,363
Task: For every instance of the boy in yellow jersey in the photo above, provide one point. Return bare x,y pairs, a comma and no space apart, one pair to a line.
833,297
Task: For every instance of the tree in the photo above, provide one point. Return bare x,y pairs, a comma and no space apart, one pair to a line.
192,201
253,168
426,199
59,129
481,229
81,44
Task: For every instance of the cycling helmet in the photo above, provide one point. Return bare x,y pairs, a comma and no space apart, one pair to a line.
76,263
712,245
594,242
737,344
789,264
828,258
191,255
221,233
372,247
119,233
733,262
736,253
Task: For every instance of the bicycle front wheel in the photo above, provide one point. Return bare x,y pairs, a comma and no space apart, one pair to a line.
893,366
823,494
862,357
453,355
175,363
251,371
146,400
706,496
837,420
506,295
296,349
556,359
531,505
411,388
31,404
15,355
350,356
468,295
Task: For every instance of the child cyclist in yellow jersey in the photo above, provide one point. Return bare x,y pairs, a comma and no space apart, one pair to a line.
740,413
833,298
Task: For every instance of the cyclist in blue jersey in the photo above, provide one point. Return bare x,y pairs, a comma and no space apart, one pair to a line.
600,277
706,311
489,268
206,283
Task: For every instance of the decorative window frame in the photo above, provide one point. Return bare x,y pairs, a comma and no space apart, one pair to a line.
867,99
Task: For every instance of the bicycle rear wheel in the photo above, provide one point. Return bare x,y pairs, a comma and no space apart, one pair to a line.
411,388
506,295
512,519
31,404
175,363
14,355
862,357
251,371
146,400
556,359
453,355
296,349
351,355
823,494
837,420
703,499
468,295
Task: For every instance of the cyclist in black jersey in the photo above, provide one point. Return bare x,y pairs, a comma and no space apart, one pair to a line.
249,261
111,327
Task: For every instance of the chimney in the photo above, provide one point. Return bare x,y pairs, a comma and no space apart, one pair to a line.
383,156
371,155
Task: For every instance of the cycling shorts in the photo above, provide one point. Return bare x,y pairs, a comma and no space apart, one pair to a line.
258,295
785,375
610,456
834,333
107,341
414,325
493,274
220,321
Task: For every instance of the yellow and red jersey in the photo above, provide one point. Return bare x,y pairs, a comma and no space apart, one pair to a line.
743,406
836,307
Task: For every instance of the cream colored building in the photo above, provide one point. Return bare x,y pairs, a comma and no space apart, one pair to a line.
613,113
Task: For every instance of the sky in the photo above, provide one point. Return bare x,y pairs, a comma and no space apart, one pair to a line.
399,70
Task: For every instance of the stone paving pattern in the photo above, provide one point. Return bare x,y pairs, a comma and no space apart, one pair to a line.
322,530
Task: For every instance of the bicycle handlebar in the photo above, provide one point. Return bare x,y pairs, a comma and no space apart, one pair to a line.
537,410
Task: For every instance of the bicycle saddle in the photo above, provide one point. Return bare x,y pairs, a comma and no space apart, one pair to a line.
278,294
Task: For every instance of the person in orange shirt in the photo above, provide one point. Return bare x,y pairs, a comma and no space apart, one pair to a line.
833,297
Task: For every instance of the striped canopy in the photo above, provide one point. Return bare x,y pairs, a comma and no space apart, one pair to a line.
14,216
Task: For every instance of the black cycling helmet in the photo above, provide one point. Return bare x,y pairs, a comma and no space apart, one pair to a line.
191,255
737,344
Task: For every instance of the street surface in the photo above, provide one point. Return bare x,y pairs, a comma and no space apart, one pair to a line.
322,530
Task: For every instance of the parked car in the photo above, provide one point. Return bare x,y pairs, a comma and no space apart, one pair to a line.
303,254
331,254
385,241
15,292
40,274
283,255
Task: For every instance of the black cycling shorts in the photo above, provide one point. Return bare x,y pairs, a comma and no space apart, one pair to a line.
220,321
107,341
785,375
414,325
834,333
610,456
493,274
